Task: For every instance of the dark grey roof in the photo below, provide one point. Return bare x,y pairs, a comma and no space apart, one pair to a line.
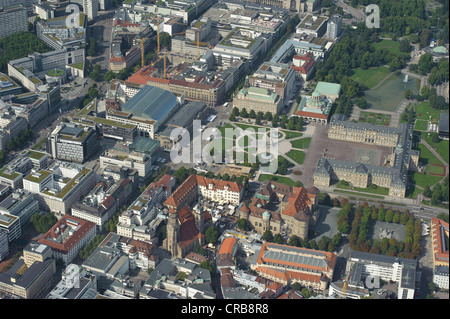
441,270
408,278
30,275
443,122
384,259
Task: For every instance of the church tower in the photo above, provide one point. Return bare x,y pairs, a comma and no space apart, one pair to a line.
199,216
173,229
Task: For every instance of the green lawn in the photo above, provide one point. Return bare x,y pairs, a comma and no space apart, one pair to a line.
421,125
442,147
371,189
222,128
431,169
392,46
279,179
290,134
424,111
301,143
297,156
371,76
358,194
374,118
246,126
426,157
423,179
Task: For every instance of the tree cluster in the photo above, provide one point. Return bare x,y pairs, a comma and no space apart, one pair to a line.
19,45
87,250
363,219
439,194
19,140
42,223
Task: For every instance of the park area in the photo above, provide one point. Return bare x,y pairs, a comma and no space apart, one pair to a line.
370,77
392,46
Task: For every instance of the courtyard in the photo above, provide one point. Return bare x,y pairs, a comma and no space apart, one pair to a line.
326,224
322,146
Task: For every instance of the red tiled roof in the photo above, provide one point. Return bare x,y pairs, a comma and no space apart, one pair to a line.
197,258
188,231
298,203
227,279
191,184
227,245
69,244
440,256
329,257
108,202
311,114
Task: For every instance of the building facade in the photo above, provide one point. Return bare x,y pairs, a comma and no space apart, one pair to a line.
68,236
13,20
72,143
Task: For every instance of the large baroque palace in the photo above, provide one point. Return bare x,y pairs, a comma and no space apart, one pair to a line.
393,174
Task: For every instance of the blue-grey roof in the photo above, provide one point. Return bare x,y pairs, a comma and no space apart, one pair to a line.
152,103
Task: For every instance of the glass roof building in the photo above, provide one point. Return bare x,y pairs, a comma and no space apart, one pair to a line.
152,103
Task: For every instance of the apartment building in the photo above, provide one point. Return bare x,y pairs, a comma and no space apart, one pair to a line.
20,203
4,244
334,26
139,221
30,70
54,32
439,232
76,283
90,8
133,160
103,201
312,24
208,188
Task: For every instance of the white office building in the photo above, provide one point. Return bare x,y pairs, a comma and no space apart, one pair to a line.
90,8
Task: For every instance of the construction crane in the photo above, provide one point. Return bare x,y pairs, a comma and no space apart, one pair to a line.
158,41
157,31
344,287
162,57
142,52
